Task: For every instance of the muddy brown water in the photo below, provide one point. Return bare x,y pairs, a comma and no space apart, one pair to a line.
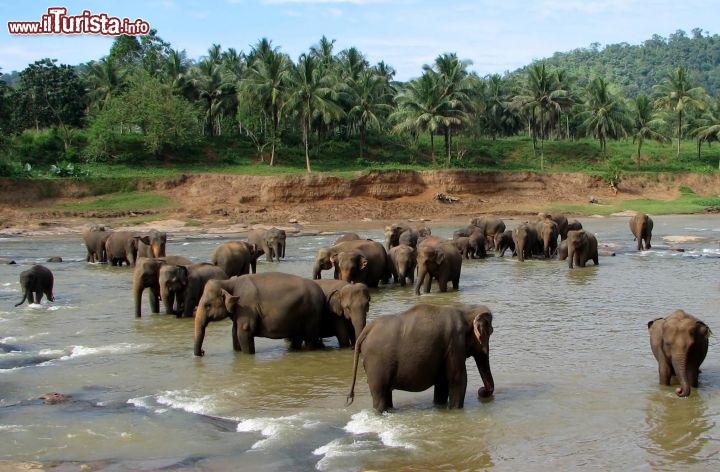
576,383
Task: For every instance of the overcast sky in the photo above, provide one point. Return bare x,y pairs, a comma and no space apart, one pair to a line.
496,35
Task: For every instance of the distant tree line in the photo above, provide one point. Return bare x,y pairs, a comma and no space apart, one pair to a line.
148,91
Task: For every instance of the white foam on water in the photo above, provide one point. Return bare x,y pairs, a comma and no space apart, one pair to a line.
340,451
390,432
187,400
277,430
29,337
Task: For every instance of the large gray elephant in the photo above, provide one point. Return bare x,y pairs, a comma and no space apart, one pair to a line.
366,256
641,226
272,305
490,226
423,347
527,242
547,230
346,309
679,342
439,259
268,241
95,237
236,257
367,263
122,247
35,282
153,245
392,234
561,221
181,286
403,260
582,246
147,275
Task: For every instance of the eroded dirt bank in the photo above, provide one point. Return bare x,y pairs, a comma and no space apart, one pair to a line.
219,199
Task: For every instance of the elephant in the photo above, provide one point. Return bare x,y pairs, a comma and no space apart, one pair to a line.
348,237
346,309
268,242
403,260
35,282
423,347
478,244
147,275
272,305
282,236
183,285
462,244
236,257
561,221
367,263
372,250
547,230
679,342
437,258
471,242
582,246
154,245
526,241
573,225
562,250
95,237
641,226
122,247
503,242
392,234
490,227
411,236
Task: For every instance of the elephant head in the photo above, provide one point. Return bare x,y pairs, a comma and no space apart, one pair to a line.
350,265
679,343
152,244
352,301
214,305
173,280
392,234
323,261
479,348
429,259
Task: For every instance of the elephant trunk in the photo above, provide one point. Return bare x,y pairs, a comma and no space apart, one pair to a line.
157,250
680,367
317,268
201,323
420,278
483,365
168,298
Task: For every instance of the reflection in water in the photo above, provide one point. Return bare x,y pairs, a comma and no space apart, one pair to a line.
677,429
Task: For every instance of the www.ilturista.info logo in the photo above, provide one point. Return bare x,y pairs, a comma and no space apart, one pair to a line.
57,21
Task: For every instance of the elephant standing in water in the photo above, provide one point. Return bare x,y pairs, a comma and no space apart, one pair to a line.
582,246
147,275
527,242
272,305
236,257
271,242
152,245
437,258
354,261
35,282
403,260
641,226
422,347
679,342
95,238
346,309
181,286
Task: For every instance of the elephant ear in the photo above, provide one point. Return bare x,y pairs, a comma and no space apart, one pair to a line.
703,329
334,301
363,262
231,301
650,323
439,256
333,258
482,328
184,271
144,239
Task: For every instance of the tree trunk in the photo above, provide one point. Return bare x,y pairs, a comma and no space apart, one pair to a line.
306,138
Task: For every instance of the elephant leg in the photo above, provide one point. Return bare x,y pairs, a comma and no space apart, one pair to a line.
235,338
456,380
442,390
342,333
443,283
296,343
427,281
154,294
37,295
246,340
664,371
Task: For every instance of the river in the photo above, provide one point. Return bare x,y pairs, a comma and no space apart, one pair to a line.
576,382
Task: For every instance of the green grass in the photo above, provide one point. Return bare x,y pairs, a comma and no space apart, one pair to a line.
687,203
126,201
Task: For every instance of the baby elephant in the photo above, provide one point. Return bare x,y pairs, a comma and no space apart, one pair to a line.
37,280
679,343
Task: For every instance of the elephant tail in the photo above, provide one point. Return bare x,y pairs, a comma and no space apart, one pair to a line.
356,359
25,295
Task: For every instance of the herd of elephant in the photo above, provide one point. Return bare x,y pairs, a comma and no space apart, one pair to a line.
425,346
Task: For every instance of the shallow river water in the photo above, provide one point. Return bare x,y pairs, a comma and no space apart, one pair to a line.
576,383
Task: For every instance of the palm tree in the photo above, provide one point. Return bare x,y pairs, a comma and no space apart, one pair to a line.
175,71
645,123
543,93
267,79
604,115
105,79
709,129
311,96
215,89
369,102
676,93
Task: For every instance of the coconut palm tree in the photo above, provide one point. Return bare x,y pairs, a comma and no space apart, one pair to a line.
369,102
267,80
676,93
645,123
604,115
709,129
105,79
215,88
311,95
